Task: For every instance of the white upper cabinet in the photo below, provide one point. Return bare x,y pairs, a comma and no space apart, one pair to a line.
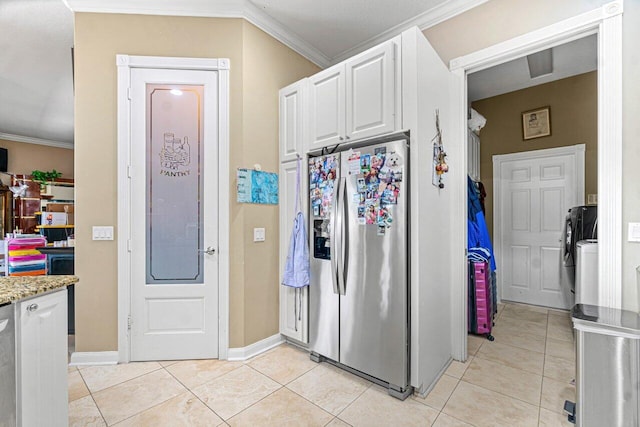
326,107
355,99
371,93
292,120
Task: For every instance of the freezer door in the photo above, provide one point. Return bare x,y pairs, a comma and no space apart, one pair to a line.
323,298
374,307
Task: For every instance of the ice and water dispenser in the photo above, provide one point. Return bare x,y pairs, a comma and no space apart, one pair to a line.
321,242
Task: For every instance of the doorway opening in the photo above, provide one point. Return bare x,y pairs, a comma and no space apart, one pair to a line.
528,195
606,24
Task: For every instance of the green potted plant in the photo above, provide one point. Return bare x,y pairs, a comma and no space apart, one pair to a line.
43,177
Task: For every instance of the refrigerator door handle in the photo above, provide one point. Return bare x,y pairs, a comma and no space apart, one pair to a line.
333,237
344,244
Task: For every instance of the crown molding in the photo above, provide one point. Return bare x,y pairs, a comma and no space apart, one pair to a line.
206,8
250,12
39,141
425,20
275,29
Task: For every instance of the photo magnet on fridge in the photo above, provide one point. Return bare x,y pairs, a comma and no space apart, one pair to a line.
370,211
365,163
371,177
354,163
380,150
377,162
381,230
393,167
361,185
384,218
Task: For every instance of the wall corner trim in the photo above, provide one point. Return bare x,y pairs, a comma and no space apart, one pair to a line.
85,358
244,353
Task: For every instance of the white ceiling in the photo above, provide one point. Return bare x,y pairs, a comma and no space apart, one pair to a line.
570,59
336,26
36,86
36,36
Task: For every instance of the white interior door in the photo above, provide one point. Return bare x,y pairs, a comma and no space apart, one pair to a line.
533,193
174,214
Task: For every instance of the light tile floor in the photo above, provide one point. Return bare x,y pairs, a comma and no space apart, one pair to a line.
520,379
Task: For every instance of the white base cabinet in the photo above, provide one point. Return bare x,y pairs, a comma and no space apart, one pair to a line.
42,360
293,303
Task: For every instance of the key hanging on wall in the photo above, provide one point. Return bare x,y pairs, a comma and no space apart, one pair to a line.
440,166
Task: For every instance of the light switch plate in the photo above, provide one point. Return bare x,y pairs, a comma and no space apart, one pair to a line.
634,232
258,235
592,199
102,232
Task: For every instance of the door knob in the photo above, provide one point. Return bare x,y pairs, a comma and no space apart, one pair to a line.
208,251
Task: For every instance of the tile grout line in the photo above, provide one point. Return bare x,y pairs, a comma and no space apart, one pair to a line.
353,401
196,396
92,399
210,408
315,404
127,380
157,404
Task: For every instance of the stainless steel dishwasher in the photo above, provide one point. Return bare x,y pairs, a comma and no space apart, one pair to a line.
7,366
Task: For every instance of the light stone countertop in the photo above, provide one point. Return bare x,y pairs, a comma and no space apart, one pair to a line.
13,289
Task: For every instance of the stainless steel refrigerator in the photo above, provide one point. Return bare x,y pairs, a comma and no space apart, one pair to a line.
359,233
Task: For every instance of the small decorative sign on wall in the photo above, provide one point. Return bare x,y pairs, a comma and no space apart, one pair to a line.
257,187
536,123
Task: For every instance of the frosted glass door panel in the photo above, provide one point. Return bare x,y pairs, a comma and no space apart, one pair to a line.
174,212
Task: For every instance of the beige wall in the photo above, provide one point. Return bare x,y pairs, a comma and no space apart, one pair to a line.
268,66
24,158
500,20
98,38
574,120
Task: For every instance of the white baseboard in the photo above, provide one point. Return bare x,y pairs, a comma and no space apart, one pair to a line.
244,353
93,358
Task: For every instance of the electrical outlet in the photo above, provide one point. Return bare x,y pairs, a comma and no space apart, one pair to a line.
258,235
102,232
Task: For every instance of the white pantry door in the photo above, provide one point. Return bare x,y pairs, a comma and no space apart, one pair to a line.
534,191
174,214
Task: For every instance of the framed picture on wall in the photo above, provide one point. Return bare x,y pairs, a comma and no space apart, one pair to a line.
536,123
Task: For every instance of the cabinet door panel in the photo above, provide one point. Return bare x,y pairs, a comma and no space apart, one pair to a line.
371,92
292,121
293,304
42,360
326,108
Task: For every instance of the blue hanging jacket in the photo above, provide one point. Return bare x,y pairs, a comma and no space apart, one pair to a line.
296,269
477,231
